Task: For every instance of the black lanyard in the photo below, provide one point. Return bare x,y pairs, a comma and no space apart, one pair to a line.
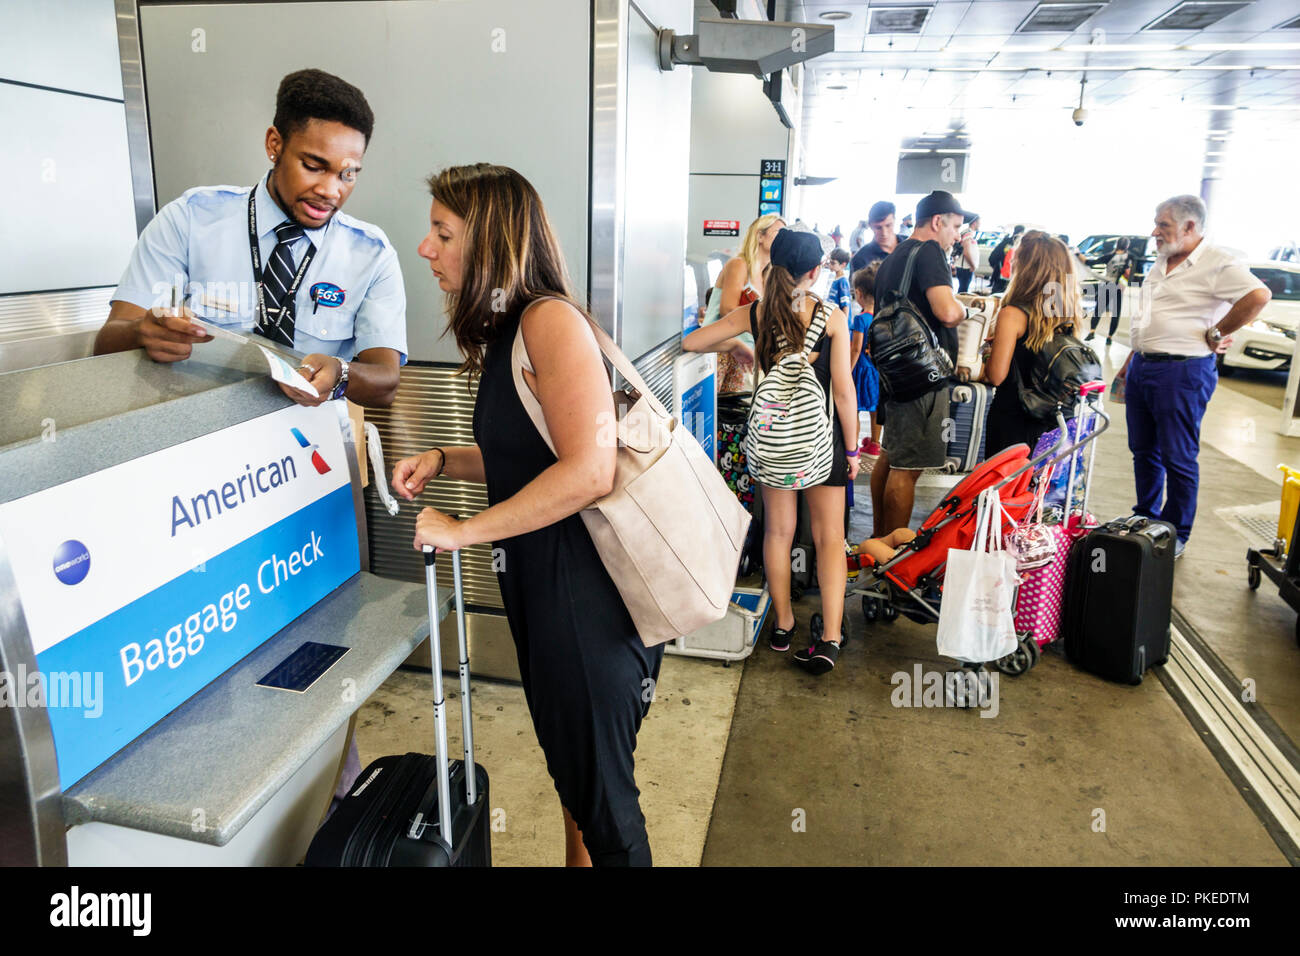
286,305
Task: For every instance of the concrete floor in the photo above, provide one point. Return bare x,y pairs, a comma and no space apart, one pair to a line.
763,764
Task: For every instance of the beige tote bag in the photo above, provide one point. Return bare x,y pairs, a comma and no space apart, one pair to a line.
671,531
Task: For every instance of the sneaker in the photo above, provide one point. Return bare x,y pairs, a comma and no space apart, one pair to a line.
818,659
780,640
1178,549
1108,342
871,449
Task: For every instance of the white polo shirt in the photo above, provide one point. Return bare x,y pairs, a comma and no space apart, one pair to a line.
1178,307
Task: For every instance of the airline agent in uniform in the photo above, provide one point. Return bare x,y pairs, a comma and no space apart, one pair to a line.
280,259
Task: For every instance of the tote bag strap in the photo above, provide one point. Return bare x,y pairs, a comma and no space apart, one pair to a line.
519,361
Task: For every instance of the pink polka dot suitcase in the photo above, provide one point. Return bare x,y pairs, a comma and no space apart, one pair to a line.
1042,592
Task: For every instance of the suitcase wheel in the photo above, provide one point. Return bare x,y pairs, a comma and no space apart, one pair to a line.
1253,576
870,609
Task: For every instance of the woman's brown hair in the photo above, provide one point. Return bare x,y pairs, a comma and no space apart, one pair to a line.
1044,287
511,255
780,328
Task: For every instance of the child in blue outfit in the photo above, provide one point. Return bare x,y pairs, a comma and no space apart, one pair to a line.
865,376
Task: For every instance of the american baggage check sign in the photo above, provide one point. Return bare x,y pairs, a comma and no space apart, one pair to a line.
150,578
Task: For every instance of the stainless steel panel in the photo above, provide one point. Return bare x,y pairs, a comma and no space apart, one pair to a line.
44,328
64,44
68,217
31,818
656,367
491,648
658,133
608,164
433,408
137,115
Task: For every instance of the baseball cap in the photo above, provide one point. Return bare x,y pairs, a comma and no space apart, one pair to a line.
938,203
796,252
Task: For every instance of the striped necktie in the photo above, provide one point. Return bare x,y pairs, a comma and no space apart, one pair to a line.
277,277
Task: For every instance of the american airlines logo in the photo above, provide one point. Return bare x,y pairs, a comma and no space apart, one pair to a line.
214,501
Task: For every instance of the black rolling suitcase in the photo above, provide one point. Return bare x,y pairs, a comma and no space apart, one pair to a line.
1118,594
403,806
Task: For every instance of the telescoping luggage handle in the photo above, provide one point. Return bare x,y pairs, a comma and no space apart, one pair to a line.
439,704
1058,452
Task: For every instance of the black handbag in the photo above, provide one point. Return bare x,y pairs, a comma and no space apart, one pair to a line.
904,348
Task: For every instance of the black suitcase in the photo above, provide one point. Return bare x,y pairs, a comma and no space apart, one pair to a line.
1118,594
403,806
968,407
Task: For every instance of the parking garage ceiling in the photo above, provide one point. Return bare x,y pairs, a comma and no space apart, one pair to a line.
954,57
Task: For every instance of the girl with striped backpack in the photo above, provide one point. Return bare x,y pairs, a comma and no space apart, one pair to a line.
802,433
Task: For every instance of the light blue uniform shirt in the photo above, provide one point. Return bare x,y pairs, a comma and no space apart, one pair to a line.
200,241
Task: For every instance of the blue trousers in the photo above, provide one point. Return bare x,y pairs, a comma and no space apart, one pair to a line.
1164,404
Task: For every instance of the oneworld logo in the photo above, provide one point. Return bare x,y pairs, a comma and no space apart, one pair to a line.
71,562
211,503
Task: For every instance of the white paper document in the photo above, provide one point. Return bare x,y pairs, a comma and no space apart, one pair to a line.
286,374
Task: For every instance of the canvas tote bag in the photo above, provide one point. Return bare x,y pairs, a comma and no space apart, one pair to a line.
671,532
976,622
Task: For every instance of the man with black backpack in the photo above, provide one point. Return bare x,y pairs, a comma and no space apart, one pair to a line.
914,347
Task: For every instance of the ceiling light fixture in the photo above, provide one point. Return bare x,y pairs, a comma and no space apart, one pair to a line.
835,15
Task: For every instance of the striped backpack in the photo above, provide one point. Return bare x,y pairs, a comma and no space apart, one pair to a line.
790,439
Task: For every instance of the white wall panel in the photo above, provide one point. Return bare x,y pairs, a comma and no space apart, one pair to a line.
68,220
64,44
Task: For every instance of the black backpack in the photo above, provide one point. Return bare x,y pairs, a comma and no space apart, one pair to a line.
904,348
1060,368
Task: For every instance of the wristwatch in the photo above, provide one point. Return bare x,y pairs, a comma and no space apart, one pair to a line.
1214,336
342,385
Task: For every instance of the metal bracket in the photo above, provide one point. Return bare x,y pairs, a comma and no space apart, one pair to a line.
745,46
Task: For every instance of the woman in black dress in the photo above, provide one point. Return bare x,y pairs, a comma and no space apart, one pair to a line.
587,677
1042,298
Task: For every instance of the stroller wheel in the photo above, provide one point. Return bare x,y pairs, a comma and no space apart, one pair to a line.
816,628
1253,577
870,609
888,613
1035,652
1017,662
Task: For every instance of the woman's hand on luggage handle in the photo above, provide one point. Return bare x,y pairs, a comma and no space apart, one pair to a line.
410,475
443,532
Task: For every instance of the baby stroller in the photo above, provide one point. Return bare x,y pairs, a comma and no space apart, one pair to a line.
911,582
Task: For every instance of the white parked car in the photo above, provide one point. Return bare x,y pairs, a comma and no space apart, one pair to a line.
1268,342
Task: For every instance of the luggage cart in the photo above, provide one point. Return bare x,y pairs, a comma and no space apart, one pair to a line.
1282,566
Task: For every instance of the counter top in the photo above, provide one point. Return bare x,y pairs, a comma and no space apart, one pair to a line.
66,420
229,748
